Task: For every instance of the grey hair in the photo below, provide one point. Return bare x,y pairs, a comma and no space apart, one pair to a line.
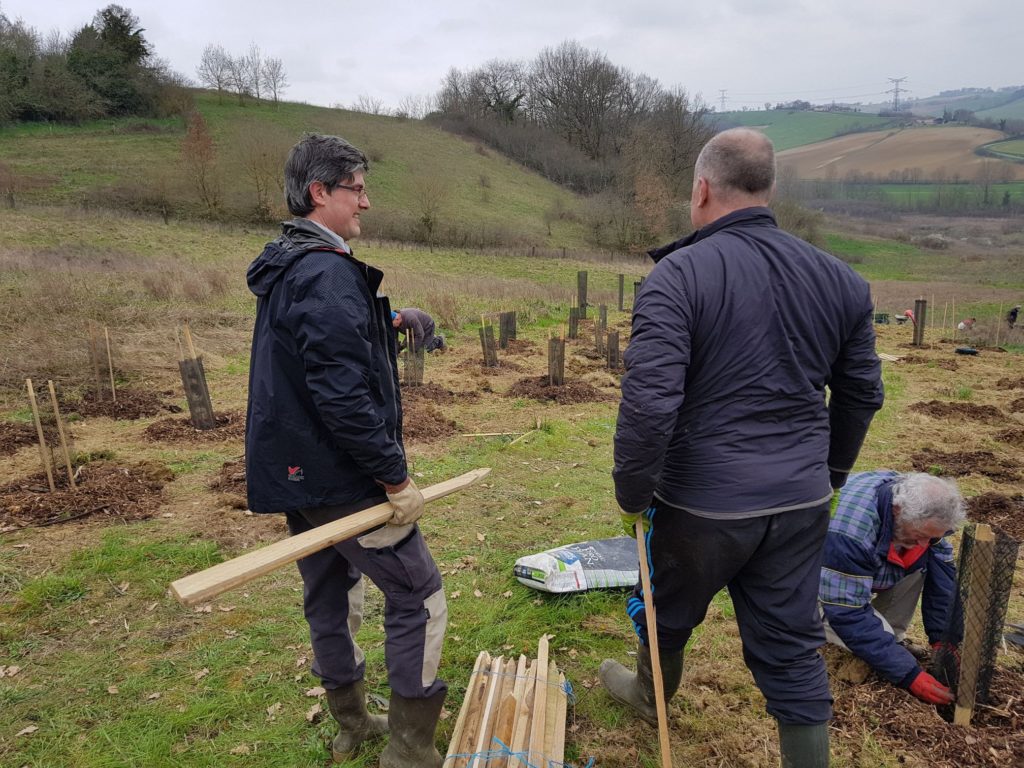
924,497
740,160
328,159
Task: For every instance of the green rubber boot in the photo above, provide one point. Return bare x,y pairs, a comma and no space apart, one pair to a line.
348,707
636,690
412,723
804,746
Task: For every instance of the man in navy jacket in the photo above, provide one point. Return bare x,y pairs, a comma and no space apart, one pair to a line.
725,444
324,440
885,550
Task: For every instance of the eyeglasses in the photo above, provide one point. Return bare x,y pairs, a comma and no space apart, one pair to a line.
359,189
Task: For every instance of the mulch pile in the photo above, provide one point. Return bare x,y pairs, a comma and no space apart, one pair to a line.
179,430
521,347
104,489
131,404
230,484
436,394
1017,406
1008,383
1004,512
965,463
902,725
538,388
15,436
944,410
1013,436
422,422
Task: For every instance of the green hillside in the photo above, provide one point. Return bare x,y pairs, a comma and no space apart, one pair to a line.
1012,149
794,129
1011,110
416,170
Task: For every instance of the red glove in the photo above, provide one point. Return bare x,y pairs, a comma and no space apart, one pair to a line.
947,647
930,690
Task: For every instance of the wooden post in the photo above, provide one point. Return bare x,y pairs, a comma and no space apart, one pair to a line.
602,317
652,641
574,322
193,380
933,316
489,347
975,615
581,293
110,365
94,358
63,437
613,350
622,285
999,322
945,306
954,318
39,433
556,362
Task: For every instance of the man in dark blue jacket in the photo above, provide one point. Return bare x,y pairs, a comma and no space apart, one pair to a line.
324,440
885,550
725,445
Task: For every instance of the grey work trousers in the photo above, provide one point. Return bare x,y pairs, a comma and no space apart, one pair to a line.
397,560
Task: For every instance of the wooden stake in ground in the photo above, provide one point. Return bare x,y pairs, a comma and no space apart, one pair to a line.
945,306
622,285
999,322
110,365
209,583
581,293
43,450
63,437
975,613
954,318
652,641
94,358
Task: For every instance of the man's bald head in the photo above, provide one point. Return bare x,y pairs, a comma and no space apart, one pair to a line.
740,161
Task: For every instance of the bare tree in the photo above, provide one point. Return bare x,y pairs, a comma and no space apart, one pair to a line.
254,71
214,70
368,104
238,76
415,107
199,156
260,149
275,81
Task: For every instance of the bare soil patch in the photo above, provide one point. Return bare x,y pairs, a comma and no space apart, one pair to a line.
538,388
522,347
422,423
230,426
1005,512
942,362
903,725
476,366
1008,382
1017,406
436,394
966,463
1013,436
131,404
105,490
943,410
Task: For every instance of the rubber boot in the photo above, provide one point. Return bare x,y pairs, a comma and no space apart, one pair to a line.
803,746
412,723
348,707
636,691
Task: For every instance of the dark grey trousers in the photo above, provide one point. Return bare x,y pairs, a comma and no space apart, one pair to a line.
397,560
771,567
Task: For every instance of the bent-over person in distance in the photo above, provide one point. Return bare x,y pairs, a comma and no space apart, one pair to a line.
324,440
419,326
725,446
885,550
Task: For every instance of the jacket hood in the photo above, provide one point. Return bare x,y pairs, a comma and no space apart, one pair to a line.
759,214
298,237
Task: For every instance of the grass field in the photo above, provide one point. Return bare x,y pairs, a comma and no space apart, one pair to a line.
794,129
1013,148
415,169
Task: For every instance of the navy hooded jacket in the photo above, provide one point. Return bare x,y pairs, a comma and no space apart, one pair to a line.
736,334
324,418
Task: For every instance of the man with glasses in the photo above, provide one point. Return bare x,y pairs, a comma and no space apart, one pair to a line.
885,550
324,440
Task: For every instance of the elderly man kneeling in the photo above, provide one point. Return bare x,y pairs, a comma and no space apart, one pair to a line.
885,549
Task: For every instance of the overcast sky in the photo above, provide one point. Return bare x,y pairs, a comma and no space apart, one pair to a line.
754,50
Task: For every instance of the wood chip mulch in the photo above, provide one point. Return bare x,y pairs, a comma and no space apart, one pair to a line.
104,489
180,430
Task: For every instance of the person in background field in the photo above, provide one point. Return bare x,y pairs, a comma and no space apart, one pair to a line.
725,446
885,550
1011,316
966,324
421,325
324,440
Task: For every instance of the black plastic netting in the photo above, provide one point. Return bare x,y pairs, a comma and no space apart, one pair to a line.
987,570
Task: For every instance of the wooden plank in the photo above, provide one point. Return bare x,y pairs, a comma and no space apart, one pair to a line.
521,726
506,710
211,582
475,696
482,660
508,725
551,716
562,702
483,735
540,700
976,611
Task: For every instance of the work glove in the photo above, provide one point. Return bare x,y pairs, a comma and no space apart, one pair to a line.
944,646
407,501
629,522
929,690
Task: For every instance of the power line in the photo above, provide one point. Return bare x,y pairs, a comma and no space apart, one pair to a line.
722,92
895,91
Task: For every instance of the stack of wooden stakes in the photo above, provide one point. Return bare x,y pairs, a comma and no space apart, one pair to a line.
513,714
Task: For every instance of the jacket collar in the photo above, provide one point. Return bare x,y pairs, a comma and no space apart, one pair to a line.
756,215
